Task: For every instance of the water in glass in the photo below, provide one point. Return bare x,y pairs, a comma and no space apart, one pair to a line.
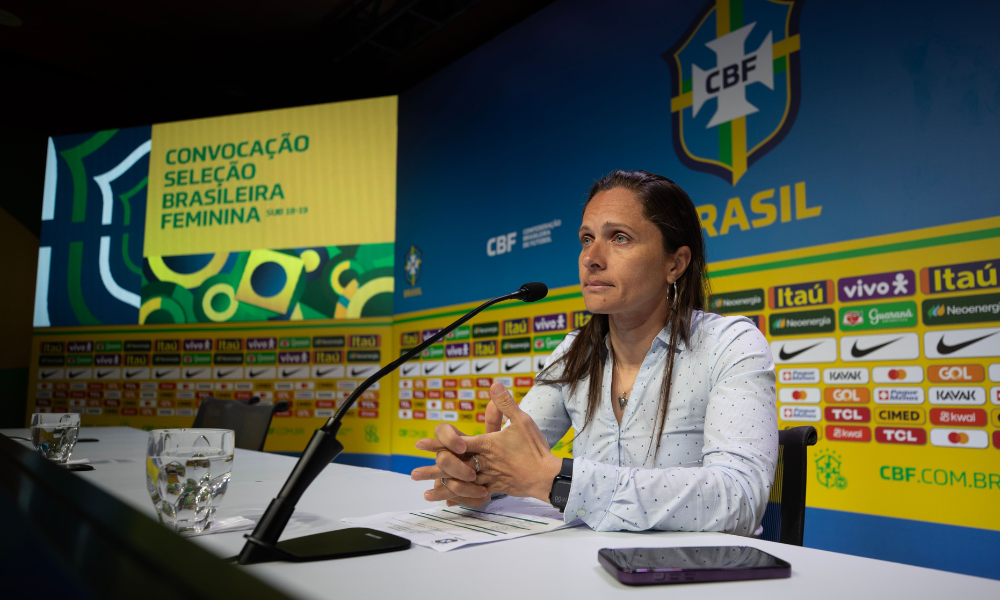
187,474
54,435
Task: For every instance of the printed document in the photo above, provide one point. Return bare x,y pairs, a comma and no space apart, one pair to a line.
445,527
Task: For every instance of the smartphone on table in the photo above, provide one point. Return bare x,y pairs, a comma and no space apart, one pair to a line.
641,566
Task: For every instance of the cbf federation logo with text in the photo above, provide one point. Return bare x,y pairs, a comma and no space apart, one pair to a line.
412,262
735,82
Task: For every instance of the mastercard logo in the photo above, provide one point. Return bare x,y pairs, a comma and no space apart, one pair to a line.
897,374
958,438
798,395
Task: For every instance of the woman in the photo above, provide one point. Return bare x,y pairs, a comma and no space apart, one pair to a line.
674,408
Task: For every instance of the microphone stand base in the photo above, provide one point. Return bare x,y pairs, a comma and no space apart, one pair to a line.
330,545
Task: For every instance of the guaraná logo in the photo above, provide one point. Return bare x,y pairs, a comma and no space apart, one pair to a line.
722,121
828,470
412,262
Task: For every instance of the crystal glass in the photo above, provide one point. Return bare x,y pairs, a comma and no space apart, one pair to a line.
187,474
54,435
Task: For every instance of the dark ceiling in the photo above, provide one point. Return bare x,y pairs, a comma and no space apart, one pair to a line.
71,66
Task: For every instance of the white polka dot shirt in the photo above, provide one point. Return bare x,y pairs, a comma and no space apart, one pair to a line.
717,454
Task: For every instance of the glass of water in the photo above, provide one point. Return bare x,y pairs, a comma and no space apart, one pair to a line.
187,474
54,435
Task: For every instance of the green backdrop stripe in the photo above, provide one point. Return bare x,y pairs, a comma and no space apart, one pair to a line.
74,159
128,196
128,261
73,282
193,331
943,240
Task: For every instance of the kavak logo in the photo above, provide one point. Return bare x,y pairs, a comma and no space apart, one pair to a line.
723,122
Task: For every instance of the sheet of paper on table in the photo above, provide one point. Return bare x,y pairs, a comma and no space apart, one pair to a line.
445,528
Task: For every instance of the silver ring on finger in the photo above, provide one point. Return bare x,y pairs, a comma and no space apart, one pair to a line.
475,459
442,481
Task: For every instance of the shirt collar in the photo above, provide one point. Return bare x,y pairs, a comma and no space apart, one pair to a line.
662,338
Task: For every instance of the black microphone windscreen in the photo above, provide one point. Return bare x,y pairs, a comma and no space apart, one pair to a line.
535,290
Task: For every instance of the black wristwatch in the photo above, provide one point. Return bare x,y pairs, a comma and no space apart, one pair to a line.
559,495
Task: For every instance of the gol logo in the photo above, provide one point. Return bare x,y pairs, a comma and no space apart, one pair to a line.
946,373
852,395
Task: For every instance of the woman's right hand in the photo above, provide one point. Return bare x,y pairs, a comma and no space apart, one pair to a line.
453,473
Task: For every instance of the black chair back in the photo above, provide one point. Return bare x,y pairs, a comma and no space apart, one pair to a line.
785,517
250,420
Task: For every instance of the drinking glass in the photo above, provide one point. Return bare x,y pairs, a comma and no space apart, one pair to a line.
54,435
187,474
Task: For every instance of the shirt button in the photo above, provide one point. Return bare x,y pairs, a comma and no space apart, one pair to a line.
580,512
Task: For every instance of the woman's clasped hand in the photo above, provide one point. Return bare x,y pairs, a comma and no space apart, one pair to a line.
513,460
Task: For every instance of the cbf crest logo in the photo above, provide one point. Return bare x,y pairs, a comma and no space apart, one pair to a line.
412,264
828,470
735,84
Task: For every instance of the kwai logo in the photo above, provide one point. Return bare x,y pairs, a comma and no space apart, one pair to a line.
731,46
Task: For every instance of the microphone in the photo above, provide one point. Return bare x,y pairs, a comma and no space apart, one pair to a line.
262,545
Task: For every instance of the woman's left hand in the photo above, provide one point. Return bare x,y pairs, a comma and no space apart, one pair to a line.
515,461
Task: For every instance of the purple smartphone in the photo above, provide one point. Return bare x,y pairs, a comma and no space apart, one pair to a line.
642,566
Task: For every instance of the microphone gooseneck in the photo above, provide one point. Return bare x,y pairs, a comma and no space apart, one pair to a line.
323,447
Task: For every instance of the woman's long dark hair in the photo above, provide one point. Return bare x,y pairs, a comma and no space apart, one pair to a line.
671,210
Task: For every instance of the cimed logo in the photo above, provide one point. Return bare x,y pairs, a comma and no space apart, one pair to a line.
412,264
735,81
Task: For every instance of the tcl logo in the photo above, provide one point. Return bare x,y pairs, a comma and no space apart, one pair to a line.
945,373
901,435
858,414
852,395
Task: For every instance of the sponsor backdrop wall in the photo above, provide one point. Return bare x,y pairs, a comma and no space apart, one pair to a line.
841,157
238,257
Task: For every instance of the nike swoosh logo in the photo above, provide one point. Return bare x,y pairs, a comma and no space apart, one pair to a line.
193,373
431,368
860,352
286,373
253,373
225,373
357,372
46,375
159,374
790,355
103,374
481,367
77,374
944,348
455,368
407,371
509,366
322,373
129,374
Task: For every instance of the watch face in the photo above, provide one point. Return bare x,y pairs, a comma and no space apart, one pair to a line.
560,493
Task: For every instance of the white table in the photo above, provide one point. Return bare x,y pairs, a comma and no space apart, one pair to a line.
558,565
